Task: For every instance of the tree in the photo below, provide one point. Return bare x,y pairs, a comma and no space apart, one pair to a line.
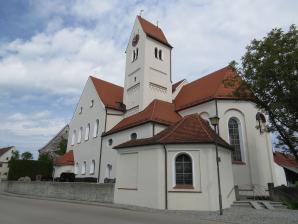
269,69
27,156
62,146
15,155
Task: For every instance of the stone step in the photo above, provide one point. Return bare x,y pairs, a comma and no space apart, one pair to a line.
259,204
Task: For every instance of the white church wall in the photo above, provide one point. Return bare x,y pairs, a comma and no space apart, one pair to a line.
207,108
113,118
175,93
109,154
87,150
58,170
144,186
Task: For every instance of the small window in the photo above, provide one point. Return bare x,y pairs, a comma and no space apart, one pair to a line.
73,139
137,53
92,167
96,127
80,134
183,168
135,78
0,164
83,171
160,54
92,103
81,110
110,142
87,131
155,52
133,136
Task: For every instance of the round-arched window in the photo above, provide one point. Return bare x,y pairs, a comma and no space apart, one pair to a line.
235,141
183,169
133,136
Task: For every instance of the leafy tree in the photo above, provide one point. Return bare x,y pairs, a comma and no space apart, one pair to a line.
45,157
15,155
62,146
27,156
270,69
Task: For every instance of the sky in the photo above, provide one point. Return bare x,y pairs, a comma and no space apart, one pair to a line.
49,48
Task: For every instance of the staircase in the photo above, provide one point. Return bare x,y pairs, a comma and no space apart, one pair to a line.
258,204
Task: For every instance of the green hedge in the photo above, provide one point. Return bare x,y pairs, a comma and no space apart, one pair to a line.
30,168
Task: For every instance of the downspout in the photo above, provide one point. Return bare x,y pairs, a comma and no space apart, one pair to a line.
153,129
100,150
216,113
166,177
171,65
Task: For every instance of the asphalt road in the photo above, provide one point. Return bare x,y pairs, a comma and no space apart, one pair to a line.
16,210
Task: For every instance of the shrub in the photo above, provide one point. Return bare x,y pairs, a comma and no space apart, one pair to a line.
30,168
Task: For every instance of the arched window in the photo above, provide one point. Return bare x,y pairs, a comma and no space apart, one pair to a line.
160,54
73,139
156,52
80,134
76,171
137,53
110,142
183,169
87,132
84,168
92,167
133,136
235,141
96,126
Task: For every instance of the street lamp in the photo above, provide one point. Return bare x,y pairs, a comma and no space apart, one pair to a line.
214,121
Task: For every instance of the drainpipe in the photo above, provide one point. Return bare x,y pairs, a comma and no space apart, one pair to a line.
166,177
216,112
100,150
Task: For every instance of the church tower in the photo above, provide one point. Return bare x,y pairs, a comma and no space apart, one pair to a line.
148,67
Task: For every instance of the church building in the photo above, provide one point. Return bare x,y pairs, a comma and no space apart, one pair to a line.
153,138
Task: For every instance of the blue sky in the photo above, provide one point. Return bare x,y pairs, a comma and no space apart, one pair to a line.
49,48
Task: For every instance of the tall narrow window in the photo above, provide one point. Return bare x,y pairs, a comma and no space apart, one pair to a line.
76,171
83,171
80,135
160,54
92,167
96,126
73,139
87,131
183,168
156,52
137,53
234,133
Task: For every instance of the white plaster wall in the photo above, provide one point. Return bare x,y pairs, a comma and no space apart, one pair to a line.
258,167
4,159
280,175
149,191
178,89
204,196
87,150
58,170
150,187
109,154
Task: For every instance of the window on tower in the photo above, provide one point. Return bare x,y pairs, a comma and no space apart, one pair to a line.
160,54
156,52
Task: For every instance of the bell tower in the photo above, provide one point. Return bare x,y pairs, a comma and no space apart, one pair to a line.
148,67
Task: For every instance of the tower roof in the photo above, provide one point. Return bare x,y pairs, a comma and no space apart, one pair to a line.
153,31
190,129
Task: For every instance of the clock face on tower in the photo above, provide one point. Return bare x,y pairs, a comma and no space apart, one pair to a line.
135,40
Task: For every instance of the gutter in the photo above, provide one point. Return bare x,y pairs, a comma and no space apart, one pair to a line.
166,177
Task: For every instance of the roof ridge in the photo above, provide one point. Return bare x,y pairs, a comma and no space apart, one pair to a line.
174,129
203,126
102,80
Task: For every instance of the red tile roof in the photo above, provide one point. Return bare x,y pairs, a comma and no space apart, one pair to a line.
190,129
212,86
4,150
285,160
153,31
66,160
157,111
110,94
175,85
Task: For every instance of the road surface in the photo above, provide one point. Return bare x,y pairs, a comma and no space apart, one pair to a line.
17,210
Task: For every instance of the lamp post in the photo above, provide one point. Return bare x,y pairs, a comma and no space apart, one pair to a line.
214,121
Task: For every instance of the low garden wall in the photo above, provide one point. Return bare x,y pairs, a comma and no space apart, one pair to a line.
71,191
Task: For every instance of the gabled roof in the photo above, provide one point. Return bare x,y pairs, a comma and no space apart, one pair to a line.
175,85
65,160
153,31
4,150
216,85
190,129
110,94
285,160
157,111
